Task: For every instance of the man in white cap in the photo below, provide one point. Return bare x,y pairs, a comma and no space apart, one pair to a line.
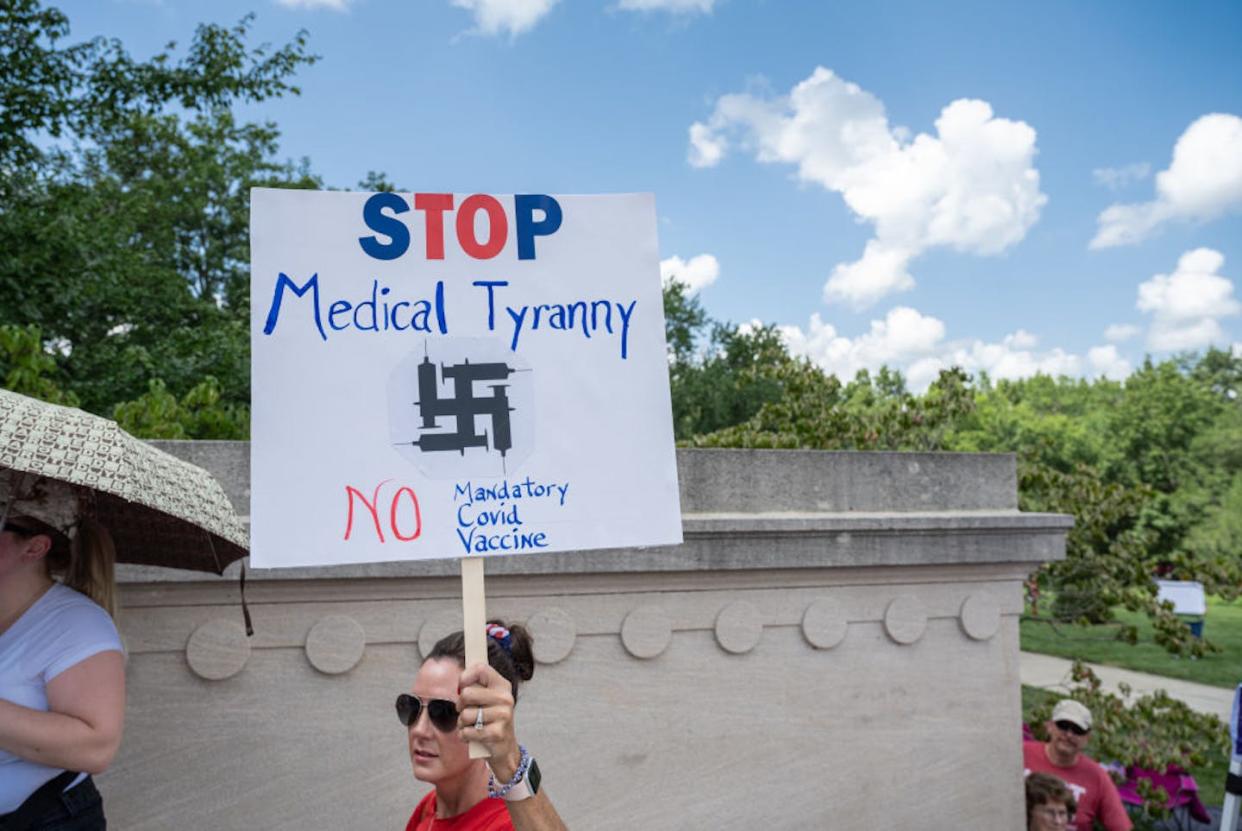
1069,730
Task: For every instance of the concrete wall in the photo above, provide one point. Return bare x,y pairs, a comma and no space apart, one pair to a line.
835,645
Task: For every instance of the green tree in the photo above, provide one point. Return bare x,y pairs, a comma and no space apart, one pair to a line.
1146,467
1166,433
720,374
377,181
1058,422
684,322
870,413
200,414
1143,467
37,79
126,241
27,368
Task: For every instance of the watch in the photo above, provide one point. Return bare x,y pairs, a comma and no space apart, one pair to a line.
527,786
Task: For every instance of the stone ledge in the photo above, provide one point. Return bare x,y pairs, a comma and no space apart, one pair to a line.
740,543
844,481
787,522
714,480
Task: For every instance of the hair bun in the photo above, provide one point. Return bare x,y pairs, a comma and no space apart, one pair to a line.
521,648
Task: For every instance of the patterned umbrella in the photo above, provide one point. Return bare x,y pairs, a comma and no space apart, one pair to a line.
160,510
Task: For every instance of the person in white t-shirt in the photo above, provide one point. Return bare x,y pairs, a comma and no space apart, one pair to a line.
62,664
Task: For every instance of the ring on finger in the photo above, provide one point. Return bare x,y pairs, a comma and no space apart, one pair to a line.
478,720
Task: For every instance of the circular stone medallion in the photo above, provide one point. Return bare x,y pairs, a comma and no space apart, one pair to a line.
905,619
824,624
554,635
739,626
435,628
980,617
335,644
646,632
218,649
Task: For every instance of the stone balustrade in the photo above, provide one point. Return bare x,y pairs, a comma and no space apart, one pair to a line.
834,645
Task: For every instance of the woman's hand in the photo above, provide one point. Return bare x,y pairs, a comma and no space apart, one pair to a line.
484,687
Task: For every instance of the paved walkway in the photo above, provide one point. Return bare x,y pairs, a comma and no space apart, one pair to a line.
1053,673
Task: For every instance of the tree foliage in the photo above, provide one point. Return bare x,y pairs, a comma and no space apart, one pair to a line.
124,208
1146,467
26,367
199,414
1150,468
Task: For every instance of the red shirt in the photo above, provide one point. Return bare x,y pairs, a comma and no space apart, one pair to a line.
488,815
1091,785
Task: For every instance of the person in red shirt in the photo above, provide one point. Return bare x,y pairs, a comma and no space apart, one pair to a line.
1062,755
451,705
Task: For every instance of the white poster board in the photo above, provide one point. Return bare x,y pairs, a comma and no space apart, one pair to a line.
450,375
1187,596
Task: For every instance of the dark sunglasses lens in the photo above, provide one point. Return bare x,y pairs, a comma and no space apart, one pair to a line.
1071,727
408,708
443,714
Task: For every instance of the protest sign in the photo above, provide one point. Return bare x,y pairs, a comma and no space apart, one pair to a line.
441,375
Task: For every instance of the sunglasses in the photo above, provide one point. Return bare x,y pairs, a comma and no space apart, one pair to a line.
1071,727
443,713
18,529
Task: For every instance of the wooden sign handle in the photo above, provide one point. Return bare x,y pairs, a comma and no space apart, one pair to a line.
474,625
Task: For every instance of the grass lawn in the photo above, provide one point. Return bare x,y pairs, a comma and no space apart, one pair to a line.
1210,778
1097,644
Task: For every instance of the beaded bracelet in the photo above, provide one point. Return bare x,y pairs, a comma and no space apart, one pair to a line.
518,776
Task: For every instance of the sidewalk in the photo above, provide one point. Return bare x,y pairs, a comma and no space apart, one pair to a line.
1053,673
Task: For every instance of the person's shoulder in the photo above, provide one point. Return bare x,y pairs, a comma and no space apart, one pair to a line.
425,808
1097,770
70,608
70,628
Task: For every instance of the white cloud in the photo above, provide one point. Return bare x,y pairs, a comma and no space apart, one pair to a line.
881,271
1121,332
1107,361
902,336
706,149
1116,178
971,187
1203,181
673,6
1022,339
915,343
698,273
513,17
1012,358
1186,306
334,5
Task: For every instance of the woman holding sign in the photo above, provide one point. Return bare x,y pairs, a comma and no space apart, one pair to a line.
452,705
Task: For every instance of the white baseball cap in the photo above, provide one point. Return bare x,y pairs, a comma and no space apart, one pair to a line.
1075,712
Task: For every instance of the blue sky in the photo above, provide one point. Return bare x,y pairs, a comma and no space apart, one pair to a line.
1014,188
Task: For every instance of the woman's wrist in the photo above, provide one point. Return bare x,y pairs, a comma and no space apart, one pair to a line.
505,764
